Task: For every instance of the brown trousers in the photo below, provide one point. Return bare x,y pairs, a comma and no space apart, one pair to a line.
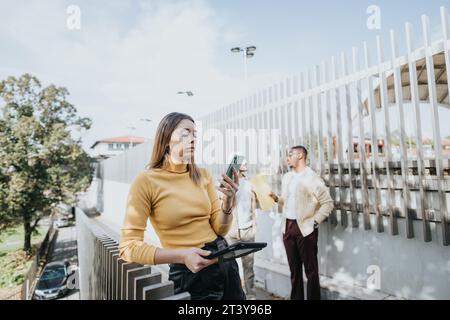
302,251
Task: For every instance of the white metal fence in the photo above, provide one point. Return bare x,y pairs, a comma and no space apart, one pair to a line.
354,122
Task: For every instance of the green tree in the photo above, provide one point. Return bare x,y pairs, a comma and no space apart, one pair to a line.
41,164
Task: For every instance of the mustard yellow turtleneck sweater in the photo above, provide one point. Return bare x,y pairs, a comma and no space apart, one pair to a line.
183,214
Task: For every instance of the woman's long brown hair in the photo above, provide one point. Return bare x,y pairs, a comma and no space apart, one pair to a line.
161,145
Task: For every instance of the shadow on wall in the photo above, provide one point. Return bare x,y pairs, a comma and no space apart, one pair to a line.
406,268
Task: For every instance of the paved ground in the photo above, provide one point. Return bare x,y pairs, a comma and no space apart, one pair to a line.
9,293
264,295
66,248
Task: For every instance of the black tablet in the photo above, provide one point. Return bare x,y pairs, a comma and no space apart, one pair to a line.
237,250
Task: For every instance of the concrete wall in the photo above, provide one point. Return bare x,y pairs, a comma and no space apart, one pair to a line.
350,257
118,173
86,257
124,167
407,268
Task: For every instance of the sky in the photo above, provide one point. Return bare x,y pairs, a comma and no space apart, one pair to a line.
128,59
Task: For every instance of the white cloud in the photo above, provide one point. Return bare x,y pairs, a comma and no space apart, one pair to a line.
127,62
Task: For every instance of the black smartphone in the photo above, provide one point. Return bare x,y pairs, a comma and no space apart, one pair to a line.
235,164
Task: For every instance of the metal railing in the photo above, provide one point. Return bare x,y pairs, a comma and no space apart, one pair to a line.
104,276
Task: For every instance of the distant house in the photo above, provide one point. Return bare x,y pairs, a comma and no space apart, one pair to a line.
367,144
427,147
446,146
109,147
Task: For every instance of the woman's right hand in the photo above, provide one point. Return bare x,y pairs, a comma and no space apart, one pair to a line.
194,261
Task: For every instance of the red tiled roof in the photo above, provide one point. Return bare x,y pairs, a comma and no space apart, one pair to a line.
123,139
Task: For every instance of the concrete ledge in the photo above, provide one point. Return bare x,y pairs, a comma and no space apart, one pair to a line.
115,263
131,280
180,296
332,289
144,281
113,256
158,291
124,279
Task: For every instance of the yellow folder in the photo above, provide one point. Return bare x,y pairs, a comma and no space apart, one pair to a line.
262,190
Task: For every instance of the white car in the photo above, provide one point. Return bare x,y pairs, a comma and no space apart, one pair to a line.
61,222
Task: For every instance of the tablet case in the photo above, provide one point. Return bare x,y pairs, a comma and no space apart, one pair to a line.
237,250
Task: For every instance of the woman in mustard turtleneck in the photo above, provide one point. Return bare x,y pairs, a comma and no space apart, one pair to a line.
182,205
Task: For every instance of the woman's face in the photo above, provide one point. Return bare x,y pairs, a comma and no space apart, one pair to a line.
183,141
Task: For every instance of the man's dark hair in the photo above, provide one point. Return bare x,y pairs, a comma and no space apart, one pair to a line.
301,149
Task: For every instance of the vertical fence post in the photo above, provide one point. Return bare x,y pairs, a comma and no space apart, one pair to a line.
296,116
387,143
436,128
362,145
284,126
279,124
420,203
340,147
445,31
312,139
257,132
330,149
320,148
350,154
374,140
398,88
290,113
303,108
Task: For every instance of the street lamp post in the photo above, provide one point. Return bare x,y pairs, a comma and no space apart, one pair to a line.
149,121
133,128
247,53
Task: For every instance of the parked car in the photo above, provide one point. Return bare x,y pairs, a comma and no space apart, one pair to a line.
62,222
52,284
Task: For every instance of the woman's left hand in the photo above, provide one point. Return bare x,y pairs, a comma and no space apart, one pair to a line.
229,188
